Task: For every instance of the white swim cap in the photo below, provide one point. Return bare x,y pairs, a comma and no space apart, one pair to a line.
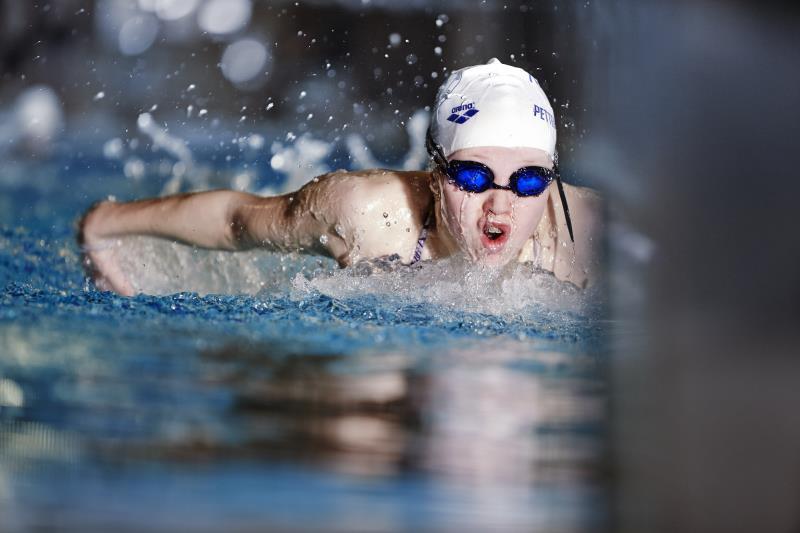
493,105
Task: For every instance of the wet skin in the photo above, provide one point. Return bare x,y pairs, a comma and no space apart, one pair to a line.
352,216
492,227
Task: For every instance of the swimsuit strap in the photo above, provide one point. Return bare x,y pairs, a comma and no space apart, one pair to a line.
423,235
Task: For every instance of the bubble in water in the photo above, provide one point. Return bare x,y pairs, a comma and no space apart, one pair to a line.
144,121
175,9
112,149
323,239
243,60
277,162
242,181
11,394
255,141
222,17
137,34
38,115
134,168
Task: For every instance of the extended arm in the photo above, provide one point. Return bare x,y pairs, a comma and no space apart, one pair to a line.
222,220
208,219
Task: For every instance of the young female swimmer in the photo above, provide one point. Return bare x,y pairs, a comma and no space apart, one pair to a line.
494,196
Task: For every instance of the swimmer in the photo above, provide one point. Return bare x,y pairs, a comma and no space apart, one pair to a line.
493,196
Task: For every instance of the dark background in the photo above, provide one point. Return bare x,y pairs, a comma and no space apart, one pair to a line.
371,84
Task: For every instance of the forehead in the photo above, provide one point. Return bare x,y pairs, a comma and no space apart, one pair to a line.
501,156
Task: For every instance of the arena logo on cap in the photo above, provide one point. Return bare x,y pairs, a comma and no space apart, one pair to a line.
544,114
464,112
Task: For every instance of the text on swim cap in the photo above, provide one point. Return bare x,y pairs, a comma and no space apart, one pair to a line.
544,114
463,107
461,114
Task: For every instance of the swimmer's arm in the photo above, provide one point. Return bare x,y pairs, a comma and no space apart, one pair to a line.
220,220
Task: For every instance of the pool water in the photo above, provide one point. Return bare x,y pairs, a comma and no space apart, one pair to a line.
255,391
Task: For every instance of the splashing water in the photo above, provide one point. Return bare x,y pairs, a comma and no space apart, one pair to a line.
414,159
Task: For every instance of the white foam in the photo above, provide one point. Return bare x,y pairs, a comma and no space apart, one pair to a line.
156,266
451,283
159,267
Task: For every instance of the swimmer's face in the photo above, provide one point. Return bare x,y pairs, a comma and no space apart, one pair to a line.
491,227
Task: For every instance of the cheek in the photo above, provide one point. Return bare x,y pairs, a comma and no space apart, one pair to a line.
454,202
528,212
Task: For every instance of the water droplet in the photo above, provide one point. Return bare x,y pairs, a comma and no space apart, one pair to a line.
385,215
99,96
323,239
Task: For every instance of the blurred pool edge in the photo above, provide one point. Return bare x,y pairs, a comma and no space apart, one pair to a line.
694,113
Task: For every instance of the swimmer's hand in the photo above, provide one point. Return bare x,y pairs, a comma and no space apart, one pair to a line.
99,255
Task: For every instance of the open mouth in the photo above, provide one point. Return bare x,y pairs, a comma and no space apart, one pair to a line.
494,235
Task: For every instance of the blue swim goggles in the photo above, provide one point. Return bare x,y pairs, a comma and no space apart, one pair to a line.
472,176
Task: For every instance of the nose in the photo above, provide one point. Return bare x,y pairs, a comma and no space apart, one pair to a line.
498,201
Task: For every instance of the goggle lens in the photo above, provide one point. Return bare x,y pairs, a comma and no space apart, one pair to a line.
530,181
476,177
470,177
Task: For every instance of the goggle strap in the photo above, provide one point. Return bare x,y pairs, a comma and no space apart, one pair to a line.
434,150
564,205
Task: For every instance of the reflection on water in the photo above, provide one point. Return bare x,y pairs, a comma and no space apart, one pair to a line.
508,432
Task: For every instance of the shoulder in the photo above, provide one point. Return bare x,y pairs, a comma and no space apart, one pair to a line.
586,207
584,195
583,264
579,263
370,183
369,213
